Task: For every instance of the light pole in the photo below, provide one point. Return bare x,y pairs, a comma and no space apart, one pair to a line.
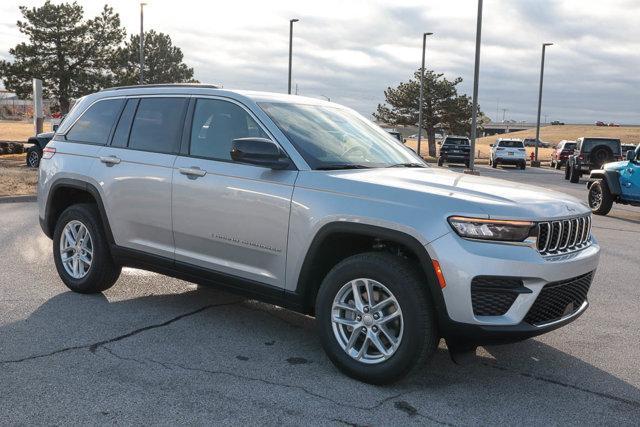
142,5
544,47
424,48
291,21
476,72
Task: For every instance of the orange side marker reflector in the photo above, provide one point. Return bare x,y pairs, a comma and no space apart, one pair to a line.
439,275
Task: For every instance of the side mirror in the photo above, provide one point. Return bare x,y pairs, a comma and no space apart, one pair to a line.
631,155
259,152
490,145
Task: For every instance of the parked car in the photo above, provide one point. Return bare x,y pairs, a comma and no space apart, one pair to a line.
600,123
455,149
614,125
591,153
310,206
394,133
508,152
562,151
557,123
627,147
34,153
531,142
617,182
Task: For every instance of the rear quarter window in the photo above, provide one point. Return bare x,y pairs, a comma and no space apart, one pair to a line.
95,124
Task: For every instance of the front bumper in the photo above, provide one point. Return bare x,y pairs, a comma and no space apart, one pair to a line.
461,260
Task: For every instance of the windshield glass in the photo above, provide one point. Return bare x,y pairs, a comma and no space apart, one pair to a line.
511,144
328,137
456,141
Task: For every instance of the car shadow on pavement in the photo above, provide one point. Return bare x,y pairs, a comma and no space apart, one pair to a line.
227,344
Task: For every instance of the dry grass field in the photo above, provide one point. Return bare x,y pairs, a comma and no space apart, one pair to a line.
15,177
18,131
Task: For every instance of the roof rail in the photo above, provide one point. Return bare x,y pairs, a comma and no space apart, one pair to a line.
194,85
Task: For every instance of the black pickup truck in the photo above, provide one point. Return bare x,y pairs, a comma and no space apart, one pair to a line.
455,149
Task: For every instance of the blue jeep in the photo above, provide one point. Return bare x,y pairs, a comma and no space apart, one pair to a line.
616,182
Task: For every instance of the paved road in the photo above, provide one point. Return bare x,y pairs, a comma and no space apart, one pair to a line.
154,350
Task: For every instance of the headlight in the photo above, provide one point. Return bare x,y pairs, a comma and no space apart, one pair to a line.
491,229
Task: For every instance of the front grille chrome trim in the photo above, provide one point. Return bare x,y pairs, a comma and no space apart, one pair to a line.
563,236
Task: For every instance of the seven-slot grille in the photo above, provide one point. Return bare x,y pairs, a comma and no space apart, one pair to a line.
559,299
562,236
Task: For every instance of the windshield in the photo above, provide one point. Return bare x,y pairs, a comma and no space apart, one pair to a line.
331,137
456,141
511,144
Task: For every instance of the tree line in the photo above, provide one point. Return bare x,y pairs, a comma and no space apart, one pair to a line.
74,56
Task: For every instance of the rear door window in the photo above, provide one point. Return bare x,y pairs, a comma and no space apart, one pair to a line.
121,134
94,126
157,125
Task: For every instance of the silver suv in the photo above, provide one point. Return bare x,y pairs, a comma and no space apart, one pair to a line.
306,204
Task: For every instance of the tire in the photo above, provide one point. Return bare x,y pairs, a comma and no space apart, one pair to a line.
102,272
574,175
419,336
567,171
494,164
33,157
523,165
558,165
440,161
600,198
467,163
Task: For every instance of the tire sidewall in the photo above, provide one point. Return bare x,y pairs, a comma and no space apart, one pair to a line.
416,330
93,281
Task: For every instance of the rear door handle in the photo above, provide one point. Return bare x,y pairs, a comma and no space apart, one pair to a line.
110,160
192,172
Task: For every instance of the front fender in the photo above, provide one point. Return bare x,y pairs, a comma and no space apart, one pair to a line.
611,177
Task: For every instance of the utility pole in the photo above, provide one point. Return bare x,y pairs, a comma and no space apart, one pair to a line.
544,47
291,21
476,73
142,5
424,47
38,106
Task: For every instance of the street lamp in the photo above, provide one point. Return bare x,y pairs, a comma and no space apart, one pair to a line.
476,72
544,47
291,21
424,46
142,5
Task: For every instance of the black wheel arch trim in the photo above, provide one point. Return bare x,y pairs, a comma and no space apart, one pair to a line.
612,178
303,288
77,184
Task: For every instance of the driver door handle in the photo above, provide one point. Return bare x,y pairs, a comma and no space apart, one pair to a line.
192,172
110,160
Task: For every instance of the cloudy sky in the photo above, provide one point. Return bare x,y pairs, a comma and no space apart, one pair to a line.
351,50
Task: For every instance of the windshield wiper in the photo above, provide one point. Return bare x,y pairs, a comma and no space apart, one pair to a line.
342,166
407,165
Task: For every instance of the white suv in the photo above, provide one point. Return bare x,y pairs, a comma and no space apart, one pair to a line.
508,152
308,205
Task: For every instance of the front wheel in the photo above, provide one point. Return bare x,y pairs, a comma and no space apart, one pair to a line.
600,198
567,171
81,252
375,319
494,163
440,161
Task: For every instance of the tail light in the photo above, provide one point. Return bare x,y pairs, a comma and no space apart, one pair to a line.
581,157
48,152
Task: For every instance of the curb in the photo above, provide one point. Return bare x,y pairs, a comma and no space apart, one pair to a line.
18,199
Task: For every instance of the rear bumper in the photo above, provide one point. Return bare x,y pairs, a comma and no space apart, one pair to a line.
510,160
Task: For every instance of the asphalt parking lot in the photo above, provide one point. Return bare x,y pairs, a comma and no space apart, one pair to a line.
154,350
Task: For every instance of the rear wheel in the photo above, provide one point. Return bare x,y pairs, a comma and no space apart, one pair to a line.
523,165
600,198
567,171
81,252
33,157
494,163
558,165
440,161
375,319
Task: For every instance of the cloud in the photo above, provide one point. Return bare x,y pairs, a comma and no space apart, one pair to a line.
352,50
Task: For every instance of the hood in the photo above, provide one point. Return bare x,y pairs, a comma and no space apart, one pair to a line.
449,192
615,166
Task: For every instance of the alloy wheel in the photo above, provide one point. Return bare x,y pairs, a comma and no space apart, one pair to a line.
76,249
367,321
